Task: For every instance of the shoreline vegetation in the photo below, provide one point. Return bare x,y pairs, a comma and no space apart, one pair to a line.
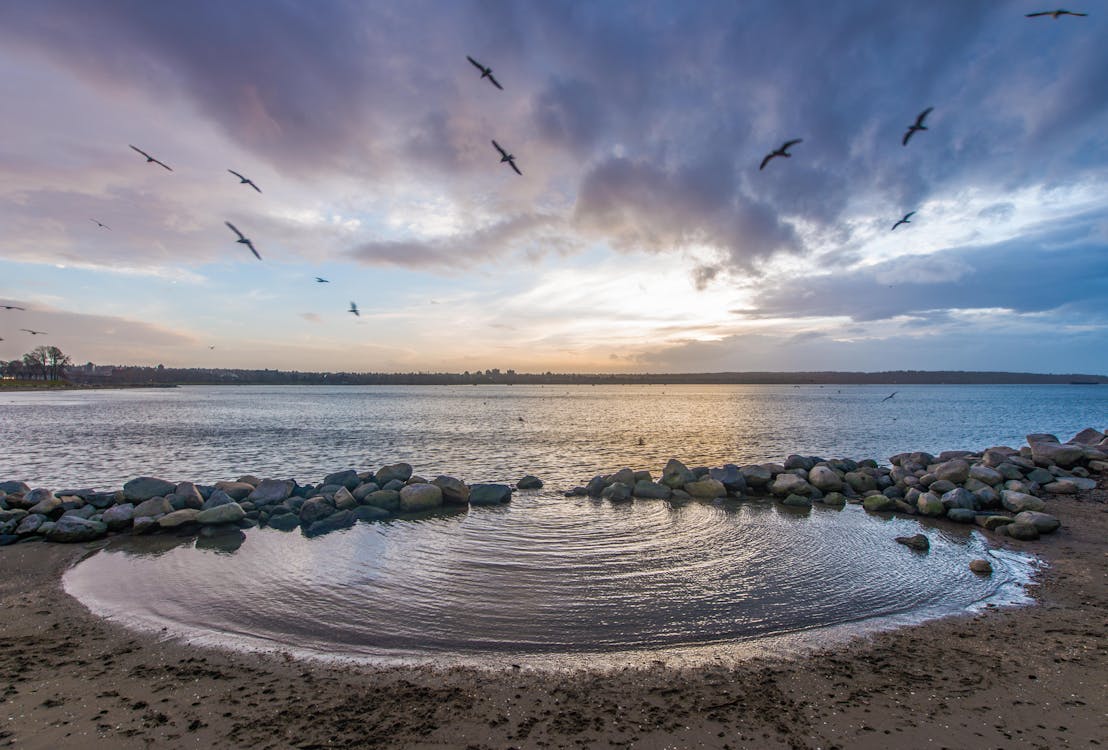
110,376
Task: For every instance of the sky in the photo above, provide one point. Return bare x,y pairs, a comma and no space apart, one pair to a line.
641,236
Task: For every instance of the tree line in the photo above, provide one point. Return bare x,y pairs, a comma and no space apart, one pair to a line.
41,363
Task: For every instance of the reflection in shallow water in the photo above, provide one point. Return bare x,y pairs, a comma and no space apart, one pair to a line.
548,581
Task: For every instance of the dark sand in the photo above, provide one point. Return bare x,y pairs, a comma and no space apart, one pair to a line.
1034,676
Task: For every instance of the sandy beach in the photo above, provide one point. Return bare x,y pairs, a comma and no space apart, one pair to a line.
1032,676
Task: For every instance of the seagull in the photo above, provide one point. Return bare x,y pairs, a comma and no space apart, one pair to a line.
211,347
1055,14
354,309
917,125
11,307
33,333
506,157
783,151
245,180
485,72
906,220
889,396
321,280
150,158
242,239
100,224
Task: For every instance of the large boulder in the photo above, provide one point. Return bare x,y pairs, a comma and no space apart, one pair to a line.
71,529
270,491
343,519
30,524
400,472
371,513
47,506
178,518
1023,531
674,474
454,490
230,513
217,498
956,470
731,478
1088,436
384,499
797,501
651,491
14,488
416,497
343,500
315,509
347,478
706,489
616,492
961,515
235,490
986,475
861,481
489,494
119,516
756,475
929,504
1043,522
529,482
825,479
154,507
1066,456
879,504
790,484
1017,502
959,497
144,488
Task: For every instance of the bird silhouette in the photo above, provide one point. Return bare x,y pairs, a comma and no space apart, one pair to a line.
906,220
917,125
889,396
354,309
506,157
33,333
485,72
211,347
1055,14
100,224
243,240
783,151
320,280
150,158
245,180
11,307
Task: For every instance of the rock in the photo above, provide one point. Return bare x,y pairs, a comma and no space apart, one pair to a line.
1060,487
797,501
986,475
879,504
14,488
385,499
285,522
860,481
1022,531
349,478
178,518
929,504
217,498
154,507
790,484
1044,522
956,470
315,509
643,476
1017,502
834,499
30,524
623,476
46,506
824,478
229,513
454,491
529,482
731,478
119,516
595,486
343,519
270,491
756,475
959,497
1066,456
489,494
1100,467
706,489
85,511
70,529
1088,436
676,474
6,539
343,500
981,567
961,515
235,490
395,472
143,524
804,463
916,542
370,513
616,492
393,484
650,491
416,497
992,522
1041,437
362,491
145,488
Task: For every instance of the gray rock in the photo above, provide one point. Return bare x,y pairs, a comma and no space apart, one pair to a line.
623,476
879,504
825,479
1061,487
119,516
961,515
1088,436
643,476
270,491
1017,502
956,470
14,488
1009,471
46,506
385,499
987,498
650,491
706,489
143,524
1041,437
284,522
941,486
616,492
316,509
371,514
188,492
756,475
343,519
804,463
797,501
179,518
595,486
394,484
1039,476
157,506
675,474
992,522
489,494
959,497
30,524
85,511
235,490
731,478
986,475
834,499
529,482
929,504
230,513
343,500
362,491
394,472
1023,531
1044,522
70,529
217,498
6,539
790,484
916,542
454,491
145,488
861,481
348,478
1045,454
416,497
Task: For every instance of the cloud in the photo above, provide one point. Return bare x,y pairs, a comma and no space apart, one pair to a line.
311,317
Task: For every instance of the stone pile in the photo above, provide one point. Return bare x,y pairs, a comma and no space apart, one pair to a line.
1001,489
148,504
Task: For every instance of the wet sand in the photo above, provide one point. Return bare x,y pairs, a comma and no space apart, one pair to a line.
1034,676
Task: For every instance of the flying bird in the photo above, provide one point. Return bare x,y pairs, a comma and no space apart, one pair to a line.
11,307
245,180
1055,14
33,333
150,158
906,220
783,151
354,309
917,125
243,240
211,347
889,396
506,157
321,280
100,224
485,72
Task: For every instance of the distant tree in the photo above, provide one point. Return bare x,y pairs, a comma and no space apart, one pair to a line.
34,363
46,363
56,362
